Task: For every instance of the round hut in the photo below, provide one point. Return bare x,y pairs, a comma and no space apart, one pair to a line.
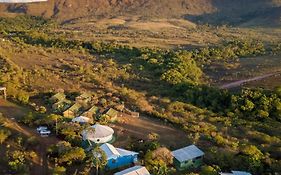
98,134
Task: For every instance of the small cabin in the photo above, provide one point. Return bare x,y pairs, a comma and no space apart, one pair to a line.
82,120
118,157
190,157
57,97
61,105
84,99
112,114
90,113
72,111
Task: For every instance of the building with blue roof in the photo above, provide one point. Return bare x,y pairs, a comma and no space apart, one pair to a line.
118,157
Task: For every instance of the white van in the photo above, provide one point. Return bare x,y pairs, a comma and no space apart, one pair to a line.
45,133
41,128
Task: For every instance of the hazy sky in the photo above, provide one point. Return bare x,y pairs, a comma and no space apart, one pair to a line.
20,1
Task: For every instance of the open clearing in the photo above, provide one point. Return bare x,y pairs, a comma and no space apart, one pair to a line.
139,128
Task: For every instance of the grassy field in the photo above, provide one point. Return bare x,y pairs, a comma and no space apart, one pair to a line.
163,33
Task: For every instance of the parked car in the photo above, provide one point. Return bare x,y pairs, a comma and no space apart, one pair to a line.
41,128
45,132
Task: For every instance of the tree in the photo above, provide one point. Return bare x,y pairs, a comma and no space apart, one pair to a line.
59,170
182,69
158,161
23,97
4,134
17,161
53,120
252,158
278,91
72,154
28,119
208,170
97,159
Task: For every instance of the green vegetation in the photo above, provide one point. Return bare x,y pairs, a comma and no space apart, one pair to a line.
236,129
16,151
4,134
97,159
65,154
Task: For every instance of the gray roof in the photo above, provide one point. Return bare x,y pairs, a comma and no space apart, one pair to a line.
136,170
240,173
187,153
99,131
81,119
236,173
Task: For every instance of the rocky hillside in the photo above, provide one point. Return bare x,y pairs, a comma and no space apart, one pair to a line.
245,12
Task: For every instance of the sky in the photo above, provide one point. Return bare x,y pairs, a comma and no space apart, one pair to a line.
20,1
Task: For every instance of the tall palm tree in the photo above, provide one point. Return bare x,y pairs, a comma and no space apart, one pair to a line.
97,159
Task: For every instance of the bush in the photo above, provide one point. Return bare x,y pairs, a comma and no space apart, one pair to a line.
23,97
208,170
59,170
4,134
28,119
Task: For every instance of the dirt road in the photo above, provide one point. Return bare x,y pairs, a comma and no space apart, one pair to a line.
241,82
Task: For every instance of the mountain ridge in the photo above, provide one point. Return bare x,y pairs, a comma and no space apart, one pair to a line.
207,11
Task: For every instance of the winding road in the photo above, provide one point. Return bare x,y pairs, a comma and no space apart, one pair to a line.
241,82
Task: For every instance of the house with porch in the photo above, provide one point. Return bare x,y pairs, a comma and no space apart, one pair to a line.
190,157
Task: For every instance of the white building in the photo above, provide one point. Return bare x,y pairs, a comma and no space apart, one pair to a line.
136,170
82,119
98,134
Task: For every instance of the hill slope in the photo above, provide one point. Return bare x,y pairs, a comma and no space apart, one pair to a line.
214,11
